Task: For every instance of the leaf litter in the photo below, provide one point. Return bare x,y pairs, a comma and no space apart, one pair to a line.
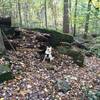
35,80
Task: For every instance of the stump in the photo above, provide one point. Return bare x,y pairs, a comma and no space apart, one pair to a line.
5,21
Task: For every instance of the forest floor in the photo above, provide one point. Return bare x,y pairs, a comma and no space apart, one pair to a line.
34,79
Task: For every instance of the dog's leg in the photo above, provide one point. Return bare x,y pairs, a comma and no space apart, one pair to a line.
44,58
51,57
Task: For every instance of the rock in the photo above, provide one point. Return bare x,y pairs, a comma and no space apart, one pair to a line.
89,54
98,94
96,48
62,86
80,45
77,55
5,73
97,79
69,77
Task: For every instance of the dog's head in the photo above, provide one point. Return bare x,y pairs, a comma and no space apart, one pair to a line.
49,49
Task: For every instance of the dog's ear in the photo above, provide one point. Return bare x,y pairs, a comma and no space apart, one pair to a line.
50,48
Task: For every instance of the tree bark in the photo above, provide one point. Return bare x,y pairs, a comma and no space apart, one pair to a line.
54,13
96,20
87,19
45,5
70,16
66,17
19,9
75,15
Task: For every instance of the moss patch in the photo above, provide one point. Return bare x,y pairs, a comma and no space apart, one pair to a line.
56,37
5,73
77,55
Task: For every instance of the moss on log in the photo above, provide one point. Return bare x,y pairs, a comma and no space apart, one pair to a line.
56,37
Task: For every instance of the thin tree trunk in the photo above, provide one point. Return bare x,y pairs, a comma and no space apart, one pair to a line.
70,14
3,10
75,15
45,5
10,3
26,16
55,18
87,19
66,17
96,19
19,9
54,13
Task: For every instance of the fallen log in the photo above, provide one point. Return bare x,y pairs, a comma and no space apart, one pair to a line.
55,36
42,37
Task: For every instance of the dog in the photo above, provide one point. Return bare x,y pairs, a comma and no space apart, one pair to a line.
48,54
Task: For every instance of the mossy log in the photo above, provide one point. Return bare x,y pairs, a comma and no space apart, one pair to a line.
56,37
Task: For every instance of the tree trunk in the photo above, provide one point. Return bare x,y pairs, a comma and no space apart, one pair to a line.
19,9
10,13
45,5
75,15
96,20
54,13
87,19
66,17
26,14
2,47
70,16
